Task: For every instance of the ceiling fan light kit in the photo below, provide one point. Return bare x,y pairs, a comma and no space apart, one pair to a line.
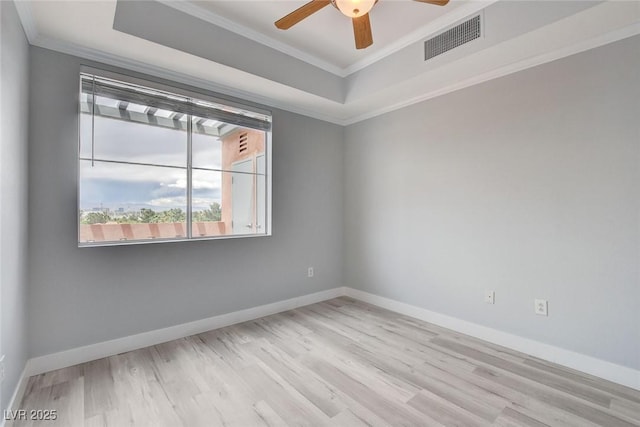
354,8
357,10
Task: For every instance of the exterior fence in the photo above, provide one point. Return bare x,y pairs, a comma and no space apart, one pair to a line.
117,232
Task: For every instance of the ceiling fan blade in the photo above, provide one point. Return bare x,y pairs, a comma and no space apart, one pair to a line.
362,31
301,13
436,2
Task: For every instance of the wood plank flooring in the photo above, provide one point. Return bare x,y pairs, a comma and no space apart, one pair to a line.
337,363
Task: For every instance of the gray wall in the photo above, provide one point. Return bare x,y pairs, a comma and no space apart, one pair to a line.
526,185
83,296
14,89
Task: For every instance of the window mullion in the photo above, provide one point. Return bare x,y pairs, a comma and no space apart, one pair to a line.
93,122
189,176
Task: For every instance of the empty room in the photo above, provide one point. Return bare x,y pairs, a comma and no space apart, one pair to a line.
319,213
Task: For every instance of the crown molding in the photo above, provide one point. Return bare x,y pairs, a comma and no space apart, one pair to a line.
430,29
176,76
592,43
26,18
215,19
141,67
340,115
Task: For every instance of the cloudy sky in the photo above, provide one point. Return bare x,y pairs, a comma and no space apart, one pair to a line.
135,186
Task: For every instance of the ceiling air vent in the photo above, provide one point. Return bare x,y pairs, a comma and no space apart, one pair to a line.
452,38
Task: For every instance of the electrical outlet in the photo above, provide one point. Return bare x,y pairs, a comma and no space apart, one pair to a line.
310,272
541,307
490,297
2,368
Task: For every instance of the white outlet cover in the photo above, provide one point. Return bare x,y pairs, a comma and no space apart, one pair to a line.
541,307
490,297
310,272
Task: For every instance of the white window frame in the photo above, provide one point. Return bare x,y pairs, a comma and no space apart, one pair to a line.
196,94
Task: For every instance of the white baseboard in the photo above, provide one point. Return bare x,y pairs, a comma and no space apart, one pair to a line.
63,359
17,396
600,368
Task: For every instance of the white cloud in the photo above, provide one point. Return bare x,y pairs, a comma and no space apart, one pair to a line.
181,183
199,184
206,184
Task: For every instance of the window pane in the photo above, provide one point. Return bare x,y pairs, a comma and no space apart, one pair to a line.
131,202
226,203
234,145
143,149
206,144
142,141
206,197
261,197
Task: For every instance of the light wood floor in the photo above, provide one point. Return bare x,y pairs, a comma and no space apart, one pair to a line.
338,363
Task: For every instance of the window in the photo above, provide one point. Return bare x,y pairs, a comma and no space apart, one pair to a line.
162,165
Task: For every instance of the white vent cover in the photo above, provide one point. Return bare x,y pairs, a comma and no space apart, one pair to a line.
452,38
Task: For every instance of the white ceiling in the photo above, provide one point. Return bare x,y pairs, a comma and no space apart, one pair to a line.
389,75
327,34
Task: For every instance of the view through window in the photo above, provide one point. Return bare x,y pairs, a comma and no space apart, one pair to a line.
161,166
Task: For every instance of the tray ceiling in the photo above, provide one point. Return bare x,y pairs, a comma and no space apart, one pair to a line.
232,47
327,34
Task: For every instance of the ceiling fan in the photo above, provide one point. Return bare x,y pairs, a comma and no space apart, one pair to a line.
357,10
